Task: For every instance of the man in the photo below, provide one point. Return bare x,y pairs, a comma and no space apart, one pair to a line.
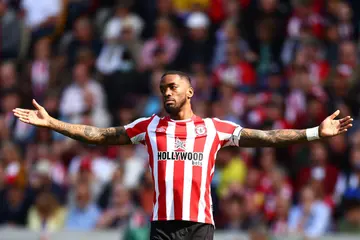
182,198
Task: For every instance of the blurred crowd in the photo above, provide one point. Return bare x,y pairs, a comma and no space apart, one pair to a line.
266,64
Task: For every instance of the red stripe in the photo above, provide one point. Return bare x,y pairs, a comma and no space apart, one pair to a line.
196,177
140,127
151,164
161,142
223,126
211,164
178,183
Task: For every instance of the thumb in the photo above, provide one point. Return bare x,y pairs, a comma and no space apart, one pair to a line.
36,105
335,114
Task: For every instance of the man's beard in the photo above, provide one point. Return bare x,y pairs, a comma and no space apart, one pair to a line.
174,109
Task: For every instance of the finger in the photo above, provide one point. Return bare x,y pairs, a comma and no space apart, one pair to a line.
36,105
20,115
25,120
335,114
21,110
346,127
344,119
349,121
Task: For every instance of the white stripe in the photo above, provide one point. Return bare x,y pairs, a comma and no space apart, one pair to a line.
190,141
152,137
132,124
211,133
169,174
140,137
225,121
224,136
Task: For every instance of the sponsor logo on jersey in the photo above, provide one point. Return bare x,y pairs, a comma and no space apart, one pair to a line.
195,157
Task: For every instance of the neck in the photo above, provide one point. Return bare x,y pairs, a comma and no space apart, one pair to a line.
182,115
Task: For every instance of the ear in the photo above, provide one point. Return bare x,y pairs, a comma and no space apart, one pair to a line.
190,93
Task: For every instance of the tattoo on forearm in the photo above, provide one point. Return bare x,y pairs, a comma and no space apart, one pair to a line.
91,135
272,138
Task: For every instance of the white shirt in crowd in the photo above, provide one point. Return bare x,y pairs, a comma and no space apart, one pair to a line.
37,11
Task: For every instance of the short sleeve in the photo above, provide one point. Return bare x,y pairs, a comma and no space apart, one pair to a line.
137,129
228,132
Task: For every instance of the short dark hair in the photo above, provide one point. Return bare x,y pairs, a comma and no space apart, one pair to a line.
179,73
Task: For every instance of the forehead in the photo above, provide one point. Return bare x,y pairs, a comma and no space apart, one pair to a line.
172,79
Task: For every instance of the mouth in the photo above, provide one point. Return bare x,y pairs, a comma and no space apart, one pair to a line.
169,101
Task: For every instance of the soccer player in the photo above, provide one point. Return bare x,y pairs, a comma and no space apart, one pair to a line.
182,148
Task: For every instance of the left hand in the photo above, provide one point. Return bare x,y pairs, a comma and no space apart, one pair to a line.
331,127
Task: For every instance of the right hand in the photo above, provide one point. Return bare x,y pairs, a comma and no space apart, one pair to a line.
37,117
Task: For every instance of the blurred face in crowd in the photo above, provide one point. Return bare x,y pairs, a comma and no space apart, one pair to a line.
348,53
7,75
164,6
10,101
163,27
344,11
355,159
332,6
252,178
267,159
121,196
232,54
353,215
83,195
318,154
122,11
231,8
268,5
46,204
235,208
176,92
15,196
10,153
83,31
282,207
42,49
3,7
277,177
230,31
81,74
332,33
307,197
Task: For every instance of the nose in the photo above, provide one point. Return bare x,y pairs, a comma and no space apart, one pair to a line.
168,92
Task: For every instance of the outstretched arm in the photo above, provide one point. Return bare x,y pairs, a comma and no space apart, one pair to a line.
83,133
280,138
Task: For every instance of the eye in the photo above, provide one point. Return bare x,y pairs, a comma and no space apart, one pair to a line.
173,87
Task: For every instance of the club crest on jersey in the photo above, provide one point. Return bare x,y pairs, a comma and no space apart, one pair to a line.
161,129
180,144
200,130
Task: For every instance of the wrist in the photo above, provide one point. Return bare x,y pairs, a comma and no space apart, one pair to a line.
313,133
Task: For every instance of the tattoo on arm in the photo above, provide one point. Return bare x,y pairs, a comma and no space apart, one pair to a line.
91,135
272,138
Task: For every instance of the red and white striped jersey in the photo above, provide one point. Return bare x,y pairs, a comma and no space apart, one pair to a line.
182,162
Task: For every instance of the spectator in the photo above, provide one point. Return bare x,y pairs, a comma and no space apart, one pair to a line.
104,199
279,224
84,95
348,182
120,210
41,18
40,180
197,45
163,41
8,76
83,36
351,220
15,204
10,42
46,215
235,71
230,34
84,214
344,16
311,217
319,170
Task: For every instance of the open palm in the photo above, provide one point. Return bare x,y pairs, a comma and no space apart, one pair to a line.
38,117
332,127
